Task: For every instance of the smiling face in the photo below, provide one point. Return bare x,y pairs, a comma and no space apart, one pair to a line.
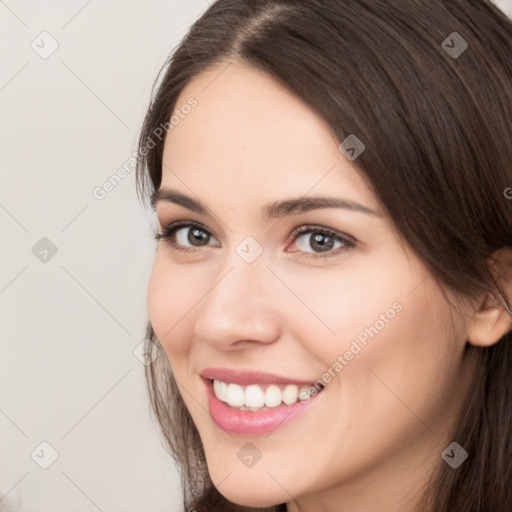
344,298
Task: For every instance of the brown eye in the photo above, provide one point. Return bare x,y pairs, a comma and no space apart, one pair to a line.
185,236
320,242
194,236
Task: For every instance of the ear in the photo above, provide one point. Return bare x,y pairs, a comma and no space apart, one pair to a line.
492,318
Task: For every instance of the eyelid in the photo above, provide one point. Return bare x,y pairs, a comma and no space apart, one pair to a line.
308,228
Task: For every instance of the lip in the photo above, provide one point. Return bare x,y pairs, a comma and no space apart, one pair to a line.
247,423
245,378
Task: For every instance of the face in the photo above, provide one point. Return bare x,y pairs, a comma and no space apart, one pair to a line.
311,294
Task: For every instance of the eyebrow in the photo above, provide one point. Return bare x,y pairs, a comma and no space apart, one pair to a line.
272,210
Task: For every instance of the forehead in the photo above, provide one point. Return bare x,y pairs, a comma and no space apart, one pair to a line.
251,135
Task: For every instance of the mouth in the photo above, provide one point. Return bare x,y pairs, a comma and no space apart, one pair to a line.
260,397
258,408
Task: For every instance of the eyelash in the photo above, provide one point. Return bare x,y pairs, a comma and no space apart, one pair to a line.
168,232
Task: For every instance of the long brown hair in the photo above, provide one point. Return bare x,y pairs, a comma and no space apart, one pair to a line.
434,110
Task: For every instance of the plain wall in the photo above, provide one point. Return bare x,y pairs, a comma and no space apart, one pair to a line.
70,321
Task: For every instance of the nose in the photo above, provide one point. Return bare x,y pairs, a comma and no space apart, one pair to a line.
240,307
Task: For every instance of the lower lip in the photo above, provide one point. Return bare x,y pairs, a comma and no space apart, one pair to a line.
247,423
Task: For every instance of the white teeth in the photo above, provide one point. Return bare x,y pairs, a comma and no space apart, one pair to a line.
290,394
221,390
273,396
255,398
235,395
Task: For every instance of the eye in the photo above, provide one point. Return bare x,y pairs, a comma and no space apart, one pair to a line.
320,242
312,241
181,234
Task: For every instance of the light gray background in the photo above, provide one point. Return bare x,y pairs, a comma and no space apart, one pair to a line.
69,325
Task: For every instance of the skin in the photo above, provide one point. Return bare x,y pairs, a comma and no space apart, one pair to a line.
374,435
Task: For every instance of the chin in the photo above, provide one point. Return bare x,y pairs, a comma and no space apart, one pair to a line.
254,496
243,487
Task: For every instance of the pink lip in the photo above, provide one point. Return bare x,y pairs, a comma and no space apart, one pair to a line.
245,378
247,423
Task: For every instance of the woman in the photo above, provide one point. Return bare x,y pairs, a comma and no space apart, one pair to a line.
330,292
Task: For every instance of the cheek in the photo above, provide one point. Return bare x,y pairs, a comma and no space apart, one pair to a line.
170,297
343,304
384,317
407,364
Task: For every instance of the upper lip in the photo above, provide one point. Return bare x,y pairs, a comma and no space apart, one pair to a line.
247,377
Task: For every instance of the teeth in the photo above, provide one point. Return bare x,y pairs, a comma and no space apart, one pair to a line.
290,394
255,398
235,395
221,390
273,396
